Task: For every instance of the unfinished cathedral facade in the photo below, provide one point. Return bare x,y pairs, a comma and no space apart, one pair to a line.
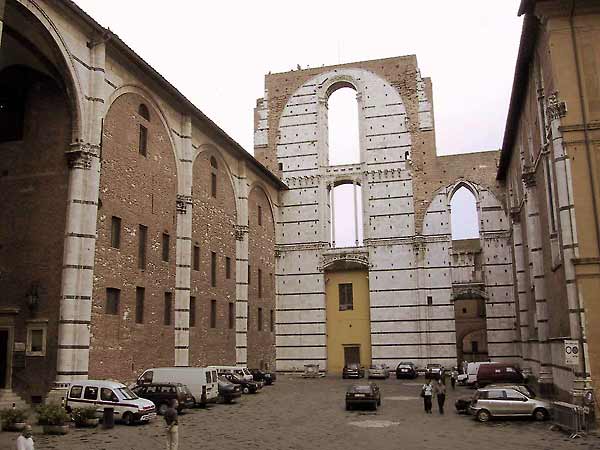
406,290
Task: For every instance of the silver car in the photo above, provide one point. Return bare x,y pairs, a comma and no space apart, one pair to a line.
379,371
507,401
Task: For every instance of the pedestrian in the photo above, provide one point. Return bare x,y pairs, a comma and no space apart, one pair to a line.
440,393
25,441
172,426
454,377
427,394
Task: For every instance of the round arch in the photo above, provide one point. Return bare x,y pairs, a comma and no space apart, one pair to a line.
257,184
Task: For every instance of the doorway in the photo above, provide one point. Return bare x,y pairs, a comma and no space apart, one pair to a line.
351,354
4,353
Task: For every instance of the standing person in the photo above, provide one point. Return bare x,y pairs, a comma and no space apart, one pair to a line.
454,377
25,441
427,394
172,426
440,393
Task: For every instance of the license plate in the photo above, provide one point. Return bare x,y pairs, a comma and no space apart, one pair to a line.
359,395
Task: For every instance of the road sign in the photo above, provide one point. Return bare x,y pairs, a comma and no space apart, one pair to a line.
572,352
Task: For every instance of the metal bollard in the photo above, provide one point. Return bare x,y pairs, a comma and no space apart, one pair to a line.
108,418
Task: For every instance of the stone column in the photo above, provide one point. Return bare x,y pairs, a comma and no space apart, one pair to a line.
241,273
520,283
184,246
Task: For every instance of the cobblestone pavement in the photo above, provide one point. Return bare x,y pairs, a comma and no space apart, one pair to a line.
301,414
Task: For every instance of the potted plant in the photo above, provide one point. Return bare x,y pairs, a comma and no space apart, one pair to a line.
54,419
85,417
13,419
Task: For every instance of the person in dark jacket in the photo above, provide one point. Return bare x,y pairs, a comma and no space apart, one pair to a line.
172,426
440,393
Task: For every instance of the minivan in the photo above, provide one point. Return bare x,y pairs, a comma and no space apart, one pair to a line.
102,394
471,371
240,371
201,381
498,373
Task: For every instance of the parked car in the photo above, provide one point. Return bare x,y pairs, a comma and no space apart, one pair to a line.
379,371
498,373
161,394
434,371
228,391
462,404
353,370
240,371
247,387
492,402
259,375
102,394
363,394
202,381
406,370
471,371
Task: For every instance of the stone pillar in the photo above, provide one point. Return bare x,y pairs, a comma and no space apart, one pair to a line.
241,273
80,231
184,246
536,261
521,284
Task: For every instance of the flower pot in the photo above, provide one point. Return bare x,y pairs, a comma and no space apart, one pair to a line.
17,426
87,423
56,429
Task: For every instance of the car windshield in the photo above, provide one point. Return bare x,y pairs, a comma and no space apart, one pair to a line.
360,389
433,366
352,366
127,394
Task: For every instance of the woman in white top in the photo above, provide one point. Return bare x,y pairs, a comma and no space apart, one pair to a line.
427,394
25,441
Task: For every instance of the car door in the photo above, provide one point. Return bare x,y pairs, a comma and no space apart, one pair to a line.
90,395
109,399
517,403
496,403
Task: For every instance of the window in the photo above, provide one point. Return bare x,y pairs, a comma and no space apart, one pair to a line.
213,314
429,300
76,391
213,176
231,315
280,165
260,215
143,111
166,241
345,213
192,311
272,321
343,126
113,297
213,269
142,240
259,283
36,340
115,232
346,300
90,393
140,293
464,219
107,395
260,319
227,267
168,307
196,257
143,140
514,395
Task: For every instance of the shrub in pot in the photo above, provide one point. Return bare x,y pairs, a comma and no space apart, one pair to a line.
53,418
13,419
85,417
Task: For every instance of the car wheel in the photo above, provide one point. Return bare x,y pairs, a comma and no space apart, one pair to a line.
540,414
162,409
246,390
128,418
483,415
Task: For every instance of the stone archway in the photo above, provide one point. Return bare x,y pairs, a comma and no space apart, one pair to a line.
471,327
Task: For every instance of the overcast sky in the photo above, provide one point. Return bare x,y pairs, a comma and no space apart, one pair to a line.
217,53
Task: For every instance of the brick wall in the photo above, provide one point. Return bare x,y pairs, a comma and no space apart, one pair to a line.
261,255
213,231
139,190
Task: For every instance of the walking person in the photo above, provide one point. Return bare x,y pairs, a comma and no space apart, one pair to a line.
454,377
427,394
25,441
440,393
172,426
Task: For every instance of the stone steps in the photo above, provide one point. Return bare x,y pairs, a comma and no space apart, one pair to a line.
8,398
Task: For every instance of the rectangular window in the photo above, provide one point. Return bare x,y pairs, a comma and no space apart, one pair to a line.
260,215
196,257
143,140
142,243
213,314
227,267
192,311
166,241
113,297
115,232
346,299
272,321
213,185
259,283
260,319
429,300
231,315
213,269
168,307
36,340
140,294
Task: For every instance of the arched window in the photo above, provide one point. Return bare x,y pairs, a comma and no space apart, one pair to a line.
342,114
346,215
464,217
143,111
213,176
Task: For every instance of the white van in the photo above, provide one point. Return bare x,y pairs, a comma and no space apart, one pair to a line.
202,381
102,394
472,369
240,371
